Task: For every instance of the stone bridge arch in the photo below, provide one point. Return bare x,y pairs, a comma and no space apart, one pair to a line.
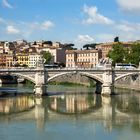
92,76
27,77
125,75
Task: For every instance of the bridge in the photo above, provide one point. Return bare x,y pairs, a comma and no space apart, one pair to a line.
105,78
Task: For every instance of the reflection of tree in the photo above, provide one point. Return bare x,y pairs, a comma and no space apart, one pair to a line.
90,99
133,105
130,105
136,126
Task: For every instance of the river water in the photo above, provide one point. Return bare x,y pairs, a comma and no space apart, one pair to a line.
69,113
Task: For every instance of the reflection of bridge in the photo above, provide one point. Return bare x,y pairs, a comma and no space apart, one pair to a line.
101,109
104,78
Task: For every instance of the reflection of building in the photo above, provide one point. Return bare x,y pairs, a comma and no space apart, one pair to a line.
82,58
71,104
17,104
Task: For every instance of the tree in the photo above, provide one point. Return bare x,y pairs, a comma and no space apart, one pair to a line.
116,39
117,54
91,46
68,46
48,57
48,43
134,55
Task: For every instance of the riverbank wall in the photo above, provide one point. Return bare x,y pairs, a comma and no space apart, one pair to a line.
75,79
129,82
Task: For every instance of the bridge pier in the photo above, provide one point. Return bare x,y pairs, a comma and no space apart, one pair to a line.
98,89
40,90
108,80
107,89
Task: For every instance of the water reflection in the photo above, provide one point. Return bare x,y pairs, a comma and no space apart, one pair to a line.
74,103
112,112
16,104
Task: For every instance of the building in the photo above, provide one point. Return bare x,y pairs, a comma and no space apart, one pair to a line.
33,59
9,60
2,60
23,59
82,58
57,52
106,47
2,47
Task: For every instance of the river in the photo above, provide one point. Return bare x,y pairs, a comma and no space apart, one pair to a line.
69,113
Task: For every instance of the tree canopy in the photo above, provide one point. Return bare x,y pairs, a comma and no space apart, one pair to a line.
116,39
134,55
90,46
119,54
47,56
48,42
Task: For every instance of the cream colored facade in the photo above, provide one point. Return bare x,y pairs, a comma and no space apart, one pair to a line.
33,59
82,58
9,60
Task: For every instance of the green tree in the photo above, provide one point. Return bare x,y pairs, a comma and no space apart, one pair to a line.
117,54
134,54
91,46
116,39
47,56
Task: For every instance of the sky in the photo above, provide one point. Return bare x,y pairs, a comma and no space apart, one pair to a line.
70,21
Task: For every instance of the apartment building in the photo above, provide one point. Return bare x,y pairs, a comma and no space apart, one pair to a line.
33,59
82,58
2,47
2,60
9,60
23,59
56,51
106,47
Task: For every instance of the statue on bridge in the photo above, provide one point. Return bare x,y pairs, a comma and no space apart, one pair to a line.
106,60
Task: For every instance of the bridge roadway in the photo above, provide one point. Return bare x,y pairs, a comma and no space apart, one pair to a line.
105,78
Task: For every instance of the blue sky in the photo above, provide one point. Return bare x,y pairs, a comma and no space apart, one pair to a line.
70,21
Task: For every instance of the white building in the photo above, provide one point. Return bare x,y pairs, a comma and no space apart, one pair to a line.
33,59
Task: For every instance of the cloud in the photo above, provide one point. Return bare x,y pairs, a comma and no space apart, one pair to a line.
129,5
7,4
82,40
85,39
105,37
128,30
12,30
27,29
94,17
125,28
47,24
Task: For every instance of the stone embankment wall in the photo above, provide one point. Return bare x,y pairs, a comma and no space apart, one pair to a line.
73,78
129,82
